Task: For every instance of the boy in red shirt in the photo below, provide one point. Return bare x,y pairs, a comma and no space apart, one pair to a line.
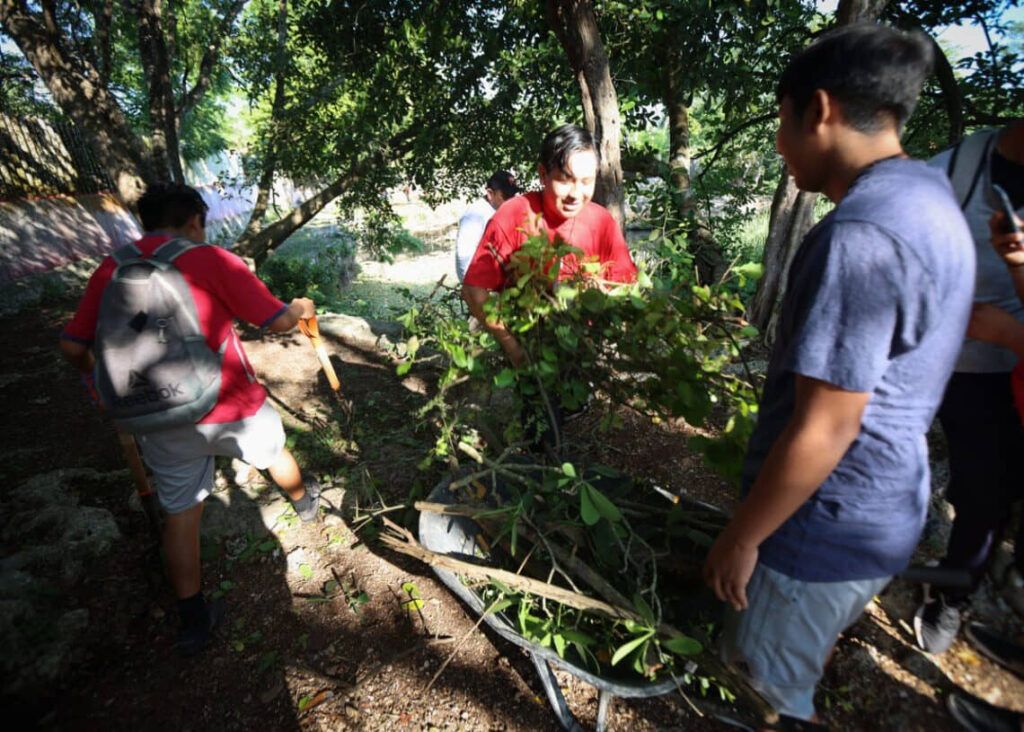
241,424
568,173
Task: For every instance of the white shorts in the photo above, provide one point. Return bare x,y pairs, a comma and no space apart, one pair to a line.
181,458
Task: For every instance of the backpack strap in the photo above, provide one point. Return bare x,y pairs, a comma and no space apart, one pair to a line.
171,250
967,163
126,253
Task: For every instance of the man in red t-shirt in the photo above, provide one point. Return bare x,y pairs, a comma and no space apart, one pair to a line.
241,424
563,209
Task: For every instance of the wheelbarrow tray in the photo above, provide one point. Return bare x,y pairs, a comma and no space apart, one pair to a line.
456,536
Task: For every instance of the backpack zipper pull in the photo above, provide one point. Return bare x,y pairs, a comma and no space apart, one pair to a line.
161,323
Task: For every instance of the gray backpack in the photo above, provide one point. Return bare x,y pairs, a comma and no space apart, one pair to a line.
153,367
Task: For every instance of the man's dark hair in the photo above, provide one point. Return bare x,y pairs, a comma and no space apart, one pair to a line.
170,205
875,73
504,183
561,143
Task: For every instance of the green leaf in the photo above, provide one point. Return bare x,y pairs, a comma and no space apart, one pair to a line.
458,355
569,469
751,270
403,368
412,345
604,507
304,702
227,585
588,512
683,645
559,642
505,377
499,606
410,589
306,571
413,604
643,609
629,647
578,636
749,331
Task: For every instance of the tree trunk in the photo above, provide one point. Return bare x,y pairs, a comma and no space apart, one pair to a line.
162,114
575,25
791,218
855,11
76,89
259,245
266,182
792,211
952,96
707,254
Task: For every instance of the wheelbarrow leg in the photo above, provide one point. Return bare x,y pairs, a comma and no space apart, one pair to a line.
604,707
554,694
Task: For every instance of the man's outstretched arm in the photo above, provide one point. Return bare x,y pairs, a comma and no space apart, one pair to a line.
476,298
825,422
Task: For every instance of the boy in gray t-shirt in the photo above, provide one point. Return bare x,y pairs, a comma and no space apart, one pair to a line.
836,478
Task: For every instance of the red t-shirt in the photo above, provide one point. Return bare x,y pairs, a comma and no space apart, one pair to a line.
593,230
223,289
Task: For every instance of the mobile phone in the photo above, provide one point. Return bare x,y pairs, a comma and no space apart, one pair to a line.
1011,226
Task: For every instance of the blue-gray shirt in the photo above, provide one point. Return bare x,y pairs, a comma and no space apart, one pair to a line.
878,301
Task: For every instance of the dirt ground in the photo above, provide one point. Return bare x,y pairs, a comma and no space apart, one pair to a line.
319,634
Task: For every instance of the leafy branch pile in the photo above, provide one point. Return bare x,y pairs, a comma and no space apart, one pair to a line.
587,562
600,568
665,348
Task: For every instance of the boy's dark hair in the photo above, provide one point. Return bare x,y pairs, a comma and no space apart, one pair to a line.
875,72
561,143
170,205
504,183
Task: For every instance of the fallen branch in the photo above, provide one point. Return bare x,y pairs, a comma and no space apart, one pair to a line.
575,565
402,541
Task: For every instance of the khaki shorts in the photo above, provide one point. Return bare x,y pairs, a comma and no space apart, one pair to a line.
182,458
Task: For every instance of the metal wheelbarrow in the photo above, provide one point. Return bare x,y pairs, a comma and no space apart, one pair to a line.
456,536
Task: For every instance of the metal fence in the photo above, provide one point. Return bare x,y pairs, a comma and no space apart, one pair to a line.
43,158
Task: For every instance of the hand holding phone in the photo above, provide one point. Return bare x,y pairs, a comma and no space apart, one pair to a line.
1010,226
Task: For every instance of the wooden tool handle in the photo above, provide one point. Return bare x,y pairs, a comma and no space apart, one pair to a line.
312,331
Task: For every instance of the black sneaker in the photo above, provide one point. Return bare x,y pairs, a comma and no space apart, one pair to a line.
194,639
309,513
977,715
936,624
1002,650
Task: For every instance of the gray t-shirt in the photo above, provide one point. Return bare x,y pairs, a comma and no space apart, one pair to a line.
878,301
992,282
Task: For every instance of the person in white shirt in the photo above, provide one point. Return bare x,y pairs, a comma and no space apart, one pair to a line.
499,188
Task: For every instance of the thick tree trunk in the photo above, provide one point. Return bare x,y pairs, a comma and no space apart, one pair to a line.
76,88
792,211
162,114
259,245
575,25
266,181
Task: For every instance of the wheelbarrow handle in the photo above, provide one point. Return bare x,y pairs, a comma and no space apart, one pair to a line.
953,579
